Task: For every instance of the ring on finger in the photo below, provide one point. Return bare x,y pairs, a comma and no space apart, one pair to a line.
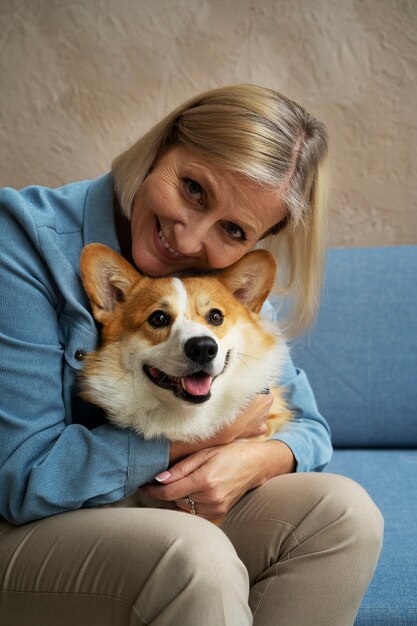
188,499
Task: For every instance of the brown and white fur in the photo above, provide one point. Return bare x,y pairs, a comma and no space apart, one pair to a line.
181,357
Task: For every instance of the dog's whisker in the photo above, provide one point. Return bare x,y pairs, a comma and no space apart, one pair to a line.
256,358
134,387
117,381
246,365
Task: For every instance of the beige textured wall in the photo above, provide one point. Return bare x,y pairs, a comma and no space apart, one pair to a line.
81,80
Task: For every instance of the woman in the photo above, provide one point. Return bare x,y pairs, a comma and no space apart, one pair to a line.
221,173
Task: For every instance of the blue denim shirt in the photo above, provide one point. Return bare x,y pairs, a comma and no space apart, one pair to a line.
48,462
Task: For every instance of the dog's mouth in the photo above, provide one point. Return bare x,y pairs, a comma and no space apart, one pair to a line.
192,388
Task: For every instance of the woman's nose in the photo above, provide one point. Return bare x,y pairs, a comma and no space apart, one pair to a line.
189,238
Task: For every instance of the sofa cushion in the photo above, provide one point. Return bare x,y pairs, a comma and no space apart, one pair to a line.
390,478
361,357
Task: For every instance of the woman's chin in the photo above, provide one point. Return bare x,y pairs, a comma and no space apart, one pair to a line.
149,266
153,265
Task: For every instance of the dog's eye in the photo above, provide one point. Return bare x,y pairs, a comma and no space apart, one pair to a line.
215,317
158,319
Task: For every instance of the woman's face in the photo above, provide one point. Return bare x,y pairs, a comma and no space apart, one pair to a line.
189,214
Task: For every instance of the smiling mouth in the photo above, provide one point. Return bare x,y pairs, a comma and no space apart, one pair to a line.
194,388
165,243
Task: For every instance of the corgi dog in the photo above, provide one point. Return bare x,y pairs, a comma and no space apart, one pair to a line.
180,357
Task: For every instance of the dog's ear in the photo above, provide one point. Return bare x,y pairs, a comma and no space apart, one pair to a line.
107,278
251,278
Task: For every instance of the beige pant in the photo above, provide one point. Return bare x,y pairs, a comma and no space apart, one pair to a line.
308,543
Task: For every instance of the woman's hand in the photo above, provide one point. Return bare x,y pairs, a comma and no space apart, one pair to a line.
216,478
249,423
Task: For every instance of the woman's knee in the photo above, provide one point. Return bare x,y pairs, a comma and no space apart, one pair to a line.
201,548
342,505
307,504
361,516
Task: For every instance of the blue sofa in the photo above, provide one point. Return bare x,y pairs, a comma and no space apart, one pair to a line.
361,359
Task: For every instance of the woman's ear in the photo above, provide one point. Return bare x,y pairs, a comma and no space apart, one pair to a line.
107,278
251,278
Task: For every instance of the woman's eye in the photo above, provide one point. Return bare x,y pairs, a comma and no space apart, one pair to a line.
194,189
158,319
234,231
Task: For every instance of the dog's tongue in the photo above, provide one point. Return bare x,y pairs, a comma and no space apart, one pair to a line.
197,384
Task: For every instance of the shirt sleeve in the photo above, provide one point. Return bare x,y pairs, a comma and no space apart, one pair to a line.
48,466
308,433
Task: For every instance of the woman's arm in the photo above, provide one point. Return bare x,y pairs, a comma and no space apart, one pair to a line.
48,465
308,434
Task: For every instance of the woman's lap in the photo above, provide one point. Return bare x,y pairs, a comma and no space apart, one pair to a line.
301,537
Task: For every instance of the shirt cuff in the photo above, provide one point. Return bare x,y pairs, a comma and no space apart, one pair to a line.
147,458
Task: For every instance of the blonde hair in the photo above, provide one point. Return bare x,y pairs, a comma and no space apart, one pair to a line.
264,136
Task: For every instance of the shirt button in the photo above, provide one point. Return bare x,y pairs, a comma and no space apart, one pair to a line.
79,355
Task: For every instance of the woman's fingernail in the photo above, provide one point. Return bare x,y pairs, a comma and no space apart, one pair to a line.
162,476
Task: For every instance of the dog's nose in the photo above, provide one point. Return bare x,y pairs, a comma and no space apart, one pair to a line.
201,350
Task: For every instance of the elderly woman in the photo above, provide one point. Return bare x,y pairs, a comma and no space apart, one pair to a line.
228,169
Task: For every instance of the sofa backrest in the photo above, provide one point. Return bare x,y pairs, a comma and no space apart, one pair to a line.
361,357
